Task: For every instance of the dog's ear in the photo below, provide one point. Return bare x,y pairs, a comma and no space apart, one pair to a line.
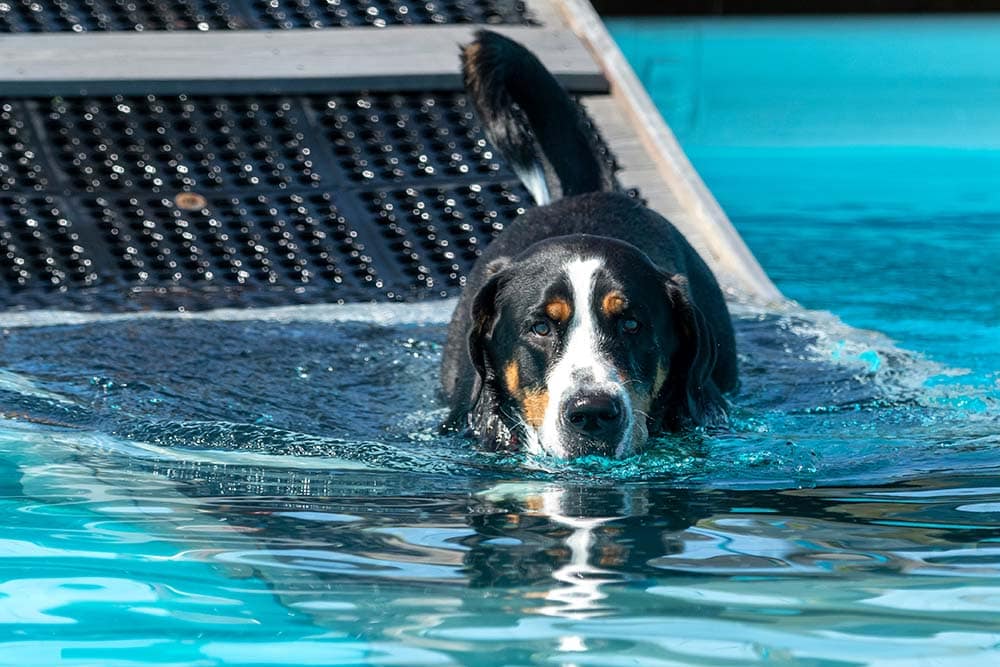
689,395
484,315
484,417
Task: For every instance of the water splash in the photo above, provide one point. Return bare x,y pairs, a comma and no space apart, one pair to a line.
819,402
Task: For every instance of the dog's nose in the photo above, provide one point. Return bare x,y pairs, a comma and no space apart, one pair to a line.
599,415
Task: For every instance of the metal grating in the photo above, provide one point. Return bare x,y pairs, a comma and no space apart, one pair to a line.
27,16
138,202
39,245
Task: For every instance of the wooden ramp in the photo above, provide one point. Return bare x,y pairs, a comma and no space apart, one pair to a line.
331,159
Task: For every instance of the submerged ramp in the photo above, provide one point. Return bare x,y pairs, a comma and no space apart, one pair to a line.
156,155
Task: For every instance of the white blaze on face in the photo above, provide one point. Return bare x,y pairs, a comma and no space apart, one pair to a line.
582,364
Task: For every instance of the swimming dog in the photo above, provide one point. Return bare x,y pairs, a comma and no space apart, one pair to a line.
590,323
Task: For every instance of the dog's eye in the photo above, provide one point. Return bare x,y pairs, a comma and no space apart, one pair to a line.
541,328
630,325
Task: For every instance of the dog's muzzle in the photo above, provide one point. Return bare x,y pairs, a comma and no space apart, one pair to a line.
594,422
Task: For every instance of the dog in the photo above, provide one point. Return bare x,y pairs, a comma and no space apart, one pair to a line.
590,323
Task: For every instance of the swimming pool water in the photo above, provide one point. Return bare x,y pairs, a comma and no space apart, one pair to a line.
224,489
858,157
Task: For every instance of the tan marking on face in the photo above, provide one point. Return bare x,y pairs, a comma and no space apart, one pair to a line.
658,382
644,401
558,310
640,401
661,378
534,403
512,376
614,304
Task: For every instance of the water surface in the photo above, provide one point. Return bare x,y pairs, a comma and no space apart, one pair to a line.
202,491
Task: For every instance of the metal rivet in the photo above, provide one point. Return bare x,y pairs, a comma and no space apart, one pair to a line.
190,201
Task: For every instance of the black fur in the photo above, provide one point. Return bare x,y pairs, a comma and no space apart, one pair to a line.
644,254
485,412
503,78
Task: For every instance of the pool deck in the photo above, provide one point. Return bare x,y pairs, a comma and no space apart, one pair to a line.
569,38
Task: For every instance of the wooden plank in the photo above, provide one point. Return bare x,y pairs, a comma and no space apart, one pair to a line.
637,169
397,58
681,189
546,13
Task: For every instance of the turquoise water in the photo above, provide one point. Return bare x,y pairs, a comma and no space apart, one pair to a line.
858,158
271,490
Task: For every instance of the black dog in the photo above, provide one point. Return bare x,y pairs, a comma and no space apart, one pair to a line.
590,322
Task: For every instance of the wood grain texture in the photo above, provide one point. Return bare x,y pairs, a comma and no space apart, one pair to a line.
397,58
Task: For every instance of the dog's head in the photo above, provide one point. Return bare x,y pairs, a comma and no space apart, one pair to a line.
583,346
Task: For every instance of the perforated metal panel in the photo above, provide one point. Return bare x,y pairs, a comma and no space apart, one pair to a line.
40,247
198,201
20,16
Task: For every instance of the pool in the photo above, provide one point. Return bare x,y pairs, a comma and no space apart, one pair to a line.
269,488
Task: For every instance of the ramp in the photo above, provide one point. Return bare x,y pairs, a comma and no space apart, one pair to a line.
200,154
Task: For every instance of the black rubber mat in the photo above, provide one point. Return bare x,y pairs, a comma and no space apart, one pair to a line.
20,16
159,202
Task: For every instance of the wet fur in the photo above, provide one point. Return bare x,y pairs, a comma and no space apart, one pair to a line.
507,84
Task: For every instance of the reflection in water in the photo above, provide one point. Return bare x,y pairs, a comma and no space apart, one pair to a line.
305,495
449,565
578,589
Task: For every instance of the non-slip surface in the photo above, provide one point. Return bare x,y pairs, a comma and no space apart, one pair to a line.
139,202
27,16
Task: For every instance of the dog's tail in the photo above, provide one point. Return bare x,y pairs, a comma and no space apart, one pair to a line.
499,74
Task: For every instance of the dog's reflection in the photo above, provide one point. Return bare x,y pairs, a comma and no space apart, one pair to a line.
578,591
571,542
559,546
